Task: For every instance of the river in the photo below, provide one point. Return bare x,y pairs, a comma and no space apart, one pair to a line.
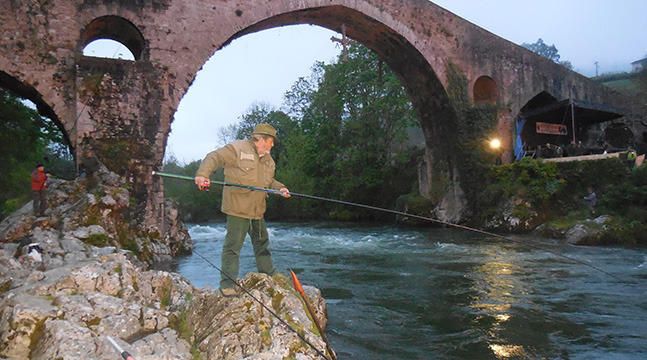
401,293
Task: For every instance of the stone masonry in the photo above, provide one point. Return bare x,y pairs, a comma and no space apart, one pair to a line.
121,111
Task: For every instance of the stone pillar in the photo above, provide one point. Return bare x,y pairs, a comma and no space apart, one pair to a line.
119,104
505,131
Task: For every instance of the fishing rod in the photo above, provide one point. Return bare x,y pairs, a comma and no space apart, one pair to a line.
430,219
124,354
297,286
254,188
302,337
223,183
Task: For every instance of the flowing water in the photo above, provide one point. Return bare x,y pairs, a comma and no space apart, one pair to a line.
395,293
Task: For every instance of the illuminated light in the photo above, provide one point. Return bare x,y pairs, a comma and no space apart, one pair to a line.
507,351
502,317
495,144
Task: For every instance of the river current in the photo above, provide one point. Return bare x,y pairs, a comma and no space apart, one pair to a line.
398,293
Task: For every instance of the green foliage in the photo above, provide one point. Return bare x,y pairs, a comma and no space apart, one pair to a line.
98,240
533,180
549,52
342,135
627,196
351,118
634,83
194,205
620,230
165,293
556,190
470,146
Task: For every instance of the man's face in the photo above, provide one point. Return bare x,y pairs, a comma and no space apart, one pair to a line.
263,146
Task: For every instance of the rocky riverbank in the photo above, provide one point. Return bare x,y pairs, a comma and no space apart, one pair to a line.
70,279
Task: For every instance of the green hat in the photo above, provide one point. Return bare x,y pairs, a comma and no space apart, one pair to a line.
265,129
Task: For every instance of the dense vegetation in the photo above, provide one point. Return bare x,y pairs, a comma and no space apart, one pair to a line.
342,134
555,191
26,139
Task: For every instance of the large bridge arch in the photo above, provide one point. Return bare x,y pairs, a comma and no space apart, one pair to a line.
132,103
425,89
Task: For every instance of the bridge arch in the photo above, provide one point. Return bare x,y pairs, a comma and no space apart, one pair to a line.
417,75
115,28
485,91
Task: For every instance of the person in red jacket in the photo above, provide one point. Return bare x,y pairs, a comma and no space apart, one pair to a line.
39,190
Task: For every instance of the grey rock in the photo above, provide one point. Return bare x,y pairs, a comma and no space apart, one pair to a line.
71,244
22,316
164,345
64,306
63,339
102,251
87,231
108,200
581,231
602,219
240,328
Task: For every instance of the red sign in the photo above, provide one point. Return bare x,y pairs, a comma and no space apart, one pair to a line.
552,129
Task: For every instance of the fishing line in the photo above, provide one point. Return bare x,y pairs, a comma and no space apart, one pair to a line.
302,337
437,221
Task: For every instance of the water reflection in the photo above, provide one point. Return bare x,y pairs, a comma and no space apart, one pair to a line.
439,294
497,286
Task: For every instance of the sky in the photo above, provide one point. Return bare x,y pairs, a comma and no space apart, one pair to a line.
261,67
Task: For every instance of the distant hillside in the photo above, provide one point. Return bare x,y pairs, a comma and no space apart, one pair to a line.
631,83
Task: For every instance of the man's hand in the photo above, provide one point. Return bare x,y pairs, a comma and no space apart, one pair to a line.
202,182
285,192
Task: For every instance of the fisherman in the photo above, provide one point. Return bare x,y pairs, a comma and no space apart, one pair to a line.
245,162
39,190
591,200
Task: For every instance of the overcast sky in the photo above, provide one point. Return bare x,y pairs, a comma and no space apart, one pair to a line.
261,67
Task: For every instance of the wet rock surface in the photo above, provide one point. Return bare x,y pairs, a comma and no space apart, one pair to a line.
63,298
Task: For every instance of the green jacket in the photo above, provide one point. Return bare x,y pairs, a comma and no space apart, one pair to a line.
242,166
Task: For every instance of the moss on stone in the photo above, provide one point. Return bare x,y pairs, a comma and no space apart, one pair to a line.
266,336
181,324
117,269
115,153
92,216
93,322
135,282
5,285
277,299
98,240
165,292
465,149
36,335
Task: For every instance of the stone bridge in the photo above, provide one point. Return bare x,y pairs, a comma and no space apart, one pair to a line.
121,111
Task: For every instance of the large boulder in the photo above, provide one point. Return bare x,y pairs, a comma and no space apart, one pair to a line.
77,276
241,328
67,309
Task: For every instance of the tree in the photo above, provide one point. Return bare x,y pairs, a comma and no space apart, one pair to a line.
549,52
341,135
194,205
352,119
